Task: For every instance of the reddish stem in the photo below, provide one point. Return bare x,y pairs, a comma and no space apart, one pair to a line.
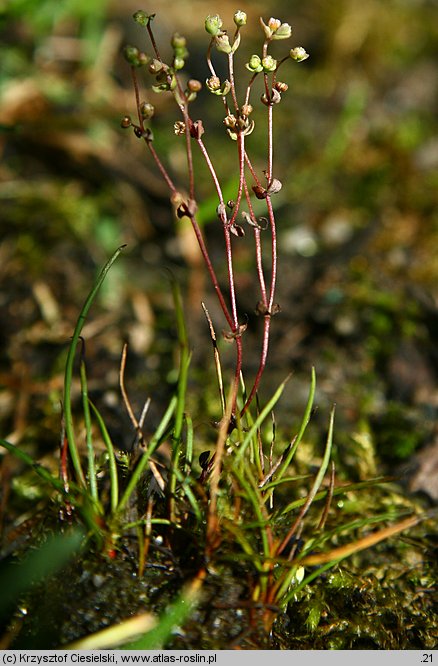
160,166
273,252
211,271
271,217
233,87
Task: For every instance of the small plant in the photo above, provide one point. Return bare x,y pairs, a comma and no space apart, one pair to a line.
231,501
237,216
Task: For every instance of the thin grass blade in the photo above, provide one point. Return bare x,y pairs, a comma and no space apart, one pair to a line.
16,579
112,463
68,375
259,420
56,483
174,616
316,484
92,479
304,423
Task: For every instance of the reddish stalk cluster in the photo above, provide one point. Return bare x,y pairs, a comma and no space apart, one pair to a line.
239,125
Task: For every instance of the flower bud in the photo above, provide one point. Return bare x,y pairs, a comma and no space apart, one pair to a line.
178,41
126,122
147,110
194,85
132,54
178,63
269,64
240,18
254,64
213,24
143,59
298,54
142,18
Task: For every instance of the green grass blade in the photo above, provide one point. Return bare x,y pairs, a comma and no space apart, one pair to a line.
92,480
112,637
315,487
112,463
249,554
324,464
185,486
286,479
68,376
189,444
329,560
77,495
144,521
181,393
38,469
16,579
308,579
252,495
184,360
306,418
348,528
257,423
175,615
341,490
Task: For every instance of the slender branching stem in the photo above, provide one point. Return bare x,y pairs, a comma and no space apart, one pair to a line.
211,270
273,252
258,247
137,96
232,81
227,235
153,42
241,151
188,123
209,60
270,142
253,171
248,89
234,323
169,182
262,363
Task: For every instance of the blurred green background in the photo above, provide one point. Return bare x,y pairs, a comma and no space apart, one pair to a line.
357,152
